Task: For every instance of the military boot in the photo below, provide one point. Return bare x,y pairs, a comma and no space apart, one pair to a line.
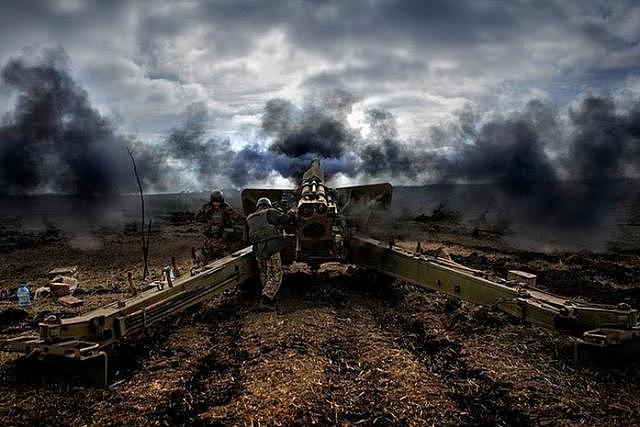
265,304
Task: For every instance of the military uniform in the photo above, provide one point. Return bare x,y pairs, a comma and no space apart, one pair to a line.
224,229
267,243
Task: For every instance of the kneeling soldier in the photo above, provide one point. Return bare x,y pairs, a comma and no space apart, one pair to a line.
223,228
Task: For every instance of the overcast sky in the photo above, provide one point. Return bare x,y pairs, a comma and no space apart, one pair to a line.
142,63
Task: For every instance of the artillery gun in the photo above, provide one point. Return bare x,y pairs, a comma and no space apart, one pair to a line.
326,229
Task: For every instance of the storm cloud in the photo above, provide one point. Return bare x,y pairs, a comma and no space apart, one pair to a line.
143,63
54,140
527,95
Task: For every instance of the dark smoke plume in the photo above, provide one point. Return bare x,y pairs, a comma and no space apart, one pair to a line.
384,154
554,167
321,129
318,129
552,171
54,140
606,143
205,158
295,135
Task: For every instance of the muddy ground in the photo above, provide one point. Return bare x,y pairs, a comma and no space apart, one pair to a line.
343,347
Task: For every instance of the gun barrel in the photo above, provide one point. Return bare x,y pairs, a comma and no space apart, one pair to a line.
313,193
314,171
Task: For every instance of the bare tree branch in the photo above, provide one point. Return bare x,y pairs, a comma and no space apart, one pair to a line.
145,240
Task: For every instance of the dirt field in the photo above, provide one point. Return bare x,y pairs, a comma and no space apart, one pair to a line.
343,348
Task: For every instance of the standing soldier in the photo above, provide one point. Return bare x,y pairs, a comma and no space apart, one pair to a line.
267,242
224,228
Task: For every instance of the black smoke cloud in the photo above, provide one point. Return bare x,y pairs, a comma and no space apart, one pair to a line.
555,170
320,129
384,153
188,150
510,152
606,143
293,136
54,140
551,170
554,166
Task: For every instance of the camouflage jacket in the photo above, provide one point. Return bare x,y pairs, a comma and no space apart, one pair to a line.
263,231
225,222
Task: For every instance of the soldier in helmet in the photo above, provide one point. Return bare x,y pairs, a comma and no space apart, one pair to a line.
224,228
267,242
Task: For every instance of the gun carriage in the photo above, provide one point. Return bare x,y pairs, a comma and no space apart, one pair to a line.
326,229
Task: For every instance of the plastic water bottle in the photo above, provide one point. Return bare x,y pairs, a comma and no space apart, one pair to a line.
23,294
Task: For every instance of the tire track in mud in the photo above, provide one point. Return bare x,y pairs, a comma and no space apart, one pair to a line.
154,384
216,380
483,400
369,379
486,401
337,404
366,331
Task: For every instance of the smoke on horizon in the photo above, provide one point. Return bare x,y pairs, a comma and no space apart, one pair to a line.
554,169
293,136
55,141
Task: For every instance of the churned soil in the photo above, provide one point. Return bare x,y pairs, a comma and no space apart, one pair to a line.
344,346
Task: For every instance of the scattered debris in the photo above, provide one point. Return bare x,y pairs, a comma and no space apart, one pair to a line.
70,301
62,271
63,285
156,284
42,292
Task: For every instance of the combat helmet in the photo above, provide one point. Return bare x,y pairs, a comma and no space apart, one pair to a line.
217,196
263,202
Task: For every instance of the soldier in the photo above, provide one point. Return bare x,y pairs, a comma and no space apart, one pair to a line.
267,242
224,228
